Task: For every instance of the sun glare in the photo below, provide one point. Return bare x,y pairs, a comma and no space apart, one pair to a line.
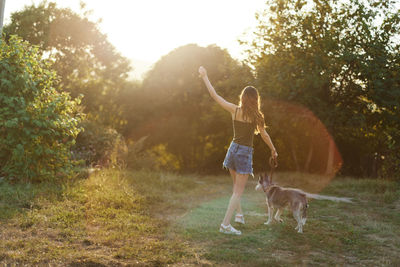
147,30
150,29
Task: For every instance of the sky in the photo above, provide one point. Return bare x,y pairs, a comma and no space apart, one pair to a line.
145,30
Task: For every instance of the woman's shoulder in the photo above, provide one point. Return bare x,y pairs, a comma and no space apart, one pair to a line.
235,110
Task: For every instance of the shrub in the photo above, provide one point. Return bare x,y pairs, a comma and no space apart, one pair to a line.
100,145
38,123
154,158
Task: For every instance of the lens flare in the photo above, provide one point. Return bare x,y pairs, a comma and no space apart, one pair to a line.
305,144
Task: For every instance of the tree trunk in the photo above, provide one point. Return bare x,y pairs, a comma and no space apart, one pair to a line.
331,150
309,157
296,162
2,5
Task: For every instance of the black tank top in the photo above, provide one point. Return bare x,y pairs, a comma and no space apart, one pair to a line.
243,132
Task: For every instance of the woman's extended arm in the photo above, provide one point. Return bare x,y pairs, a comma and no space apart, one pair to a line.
267,140
222,102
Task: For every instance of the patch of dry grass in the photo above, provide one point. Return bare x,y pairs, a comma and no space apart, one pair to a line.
101,220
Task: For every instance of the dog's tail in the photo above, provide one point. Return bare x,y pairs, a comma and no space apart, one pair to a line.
323,197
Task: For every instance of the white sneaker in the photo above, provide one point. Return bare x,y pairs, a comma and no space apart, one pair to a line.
239,218
229,230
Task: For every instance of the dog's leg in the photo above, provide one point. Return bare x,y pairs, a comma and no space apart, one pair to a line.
270,211
304,214
297,216
278,215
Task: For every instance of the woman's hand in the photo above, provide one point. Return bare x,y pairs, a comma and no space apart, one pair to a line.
220,100
202,72
274,154
273,160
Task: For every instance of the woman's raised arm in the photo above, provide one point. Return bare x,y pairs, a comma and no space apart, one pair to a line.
221,101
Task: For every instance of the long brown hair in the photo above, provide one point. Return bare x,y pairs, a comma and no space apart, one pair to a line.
250,103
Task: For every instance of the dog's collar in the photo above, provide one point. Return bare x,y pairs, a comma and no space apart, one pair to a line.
266,189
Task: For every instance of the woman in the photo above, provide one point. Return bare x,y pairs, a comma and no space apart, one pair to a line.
247,121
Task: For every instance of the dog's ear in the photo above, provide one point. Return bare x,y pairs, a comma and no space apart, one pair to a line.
264,176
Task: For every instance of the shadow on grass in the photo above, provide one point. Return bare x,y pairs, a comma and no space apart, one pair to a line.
19,198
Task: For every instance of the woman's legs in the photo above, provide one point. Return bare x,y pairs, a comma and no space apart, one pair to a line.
233,174
240,183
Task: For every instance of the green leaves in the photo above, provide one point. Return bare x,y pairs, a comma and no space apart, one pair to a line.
87,64
335,54
34,116
11,123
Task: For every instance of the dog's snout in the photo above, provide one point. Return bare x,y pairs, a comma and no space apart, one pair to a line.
258,187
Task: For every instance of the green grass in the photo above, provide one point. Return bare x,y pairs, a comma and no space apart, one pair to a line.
363,233
150,218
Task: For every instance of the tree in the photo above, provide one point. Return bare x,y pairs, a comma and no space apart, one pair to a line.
175,108
339,59
83,58
38,123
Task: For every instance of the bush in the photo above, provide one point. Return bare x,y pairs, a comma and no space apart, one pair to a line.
154,158
99,145
38,123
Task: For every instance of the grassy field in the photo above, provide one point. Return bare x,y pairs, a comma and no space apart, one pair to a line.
124,218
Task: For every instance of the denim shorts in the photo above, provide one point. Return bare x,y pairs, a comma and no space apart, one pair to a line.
239,158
